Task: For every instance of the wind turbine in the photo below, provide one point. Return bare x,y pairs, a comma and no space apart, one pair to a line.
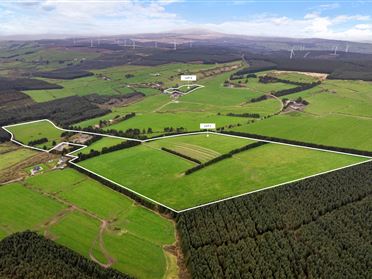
174,45
292,54
335,51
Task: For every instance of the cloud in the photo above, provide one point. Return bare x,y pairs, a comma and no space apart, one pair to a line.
329,6
312,25
89,17
95,17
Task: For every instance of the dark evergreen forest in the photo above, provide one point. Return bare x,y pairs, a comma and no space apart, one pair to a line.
27,255
315,228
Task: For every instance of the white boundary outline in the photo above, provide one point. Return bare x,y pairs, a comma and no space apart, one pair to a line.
173,89
82,146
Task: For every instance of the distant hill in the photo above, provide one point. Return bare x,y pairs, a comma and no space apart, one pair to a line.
206,37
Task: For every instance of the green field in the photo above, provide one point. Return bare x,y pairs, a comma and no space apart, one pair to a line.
22,209
293,76
159,175
98,145
72,211
209,104
11,155
116,82
339,114
159,121
30,56
200,147
35,131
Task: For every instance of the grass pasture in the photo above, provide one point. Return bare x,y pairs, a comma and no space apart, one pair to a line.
201,147
11,155
159,121
208,104
160,175
215,93
339,114
114,81
134,236
35,131
98,145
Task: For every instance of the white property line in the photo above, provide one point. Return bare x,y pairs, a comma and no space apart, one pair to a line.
173,89
65,130
273,186
82,146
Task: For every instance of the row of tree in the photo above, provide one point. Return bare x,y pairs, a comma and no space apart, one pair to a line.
117,119
284,92
241,76
37,141
246,114
315,228
181,155
301,143
104,150
129,133
270,79
224,156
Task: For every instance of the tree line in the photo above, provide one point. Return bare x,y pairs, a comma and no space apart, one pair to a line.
181,155
301,143
284,92
241,76
117,119
30,255
104,150
129,133
246,114
224,156
314,228
37,141
271,79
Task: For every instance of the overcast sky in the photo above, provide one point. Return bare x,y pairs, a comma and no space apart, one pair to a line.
346,20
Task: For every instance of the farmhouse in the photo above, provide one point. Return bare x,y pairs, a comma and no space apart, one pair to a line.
36,169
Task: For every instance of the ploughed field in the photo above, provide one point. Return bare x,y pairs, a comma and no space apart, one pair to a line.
160,175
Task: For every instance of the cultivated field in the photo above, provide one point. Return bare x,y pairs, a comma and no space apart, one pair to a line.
91,219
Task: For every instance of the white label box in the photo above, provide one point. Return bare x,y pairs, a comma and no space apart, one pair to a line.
207,125
188,77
